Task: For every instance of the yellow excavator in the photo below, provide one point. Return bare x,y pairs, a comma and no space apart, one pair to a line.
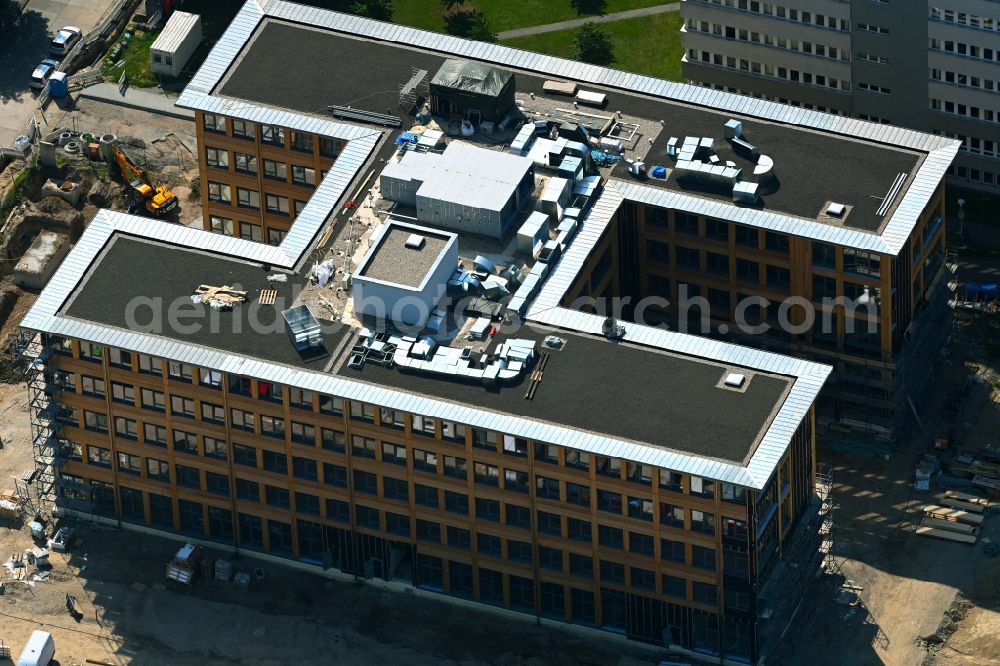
159,201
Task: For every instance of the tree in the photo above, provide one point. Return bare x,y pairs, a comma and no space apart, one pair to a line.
594,45
8,13
380,10
470,23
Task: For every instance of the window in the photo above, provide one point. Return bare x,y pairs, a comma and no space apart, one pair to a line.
609,501
120,358
425,496
685,223
487,544
611,537
582,606
338,510
397,524
247,198
672,551
333,440
158,470
217,484
219,192
703,558
515,481
487,509
248,491
365,482
244,455
215,448
577,494
123,393
305,468
716,230
302,141
126,428
212,122
217,157
550,558
154,435
455,467
484,439
578,460
129,464
94,421
424,425
548,453
361,411
305,503
546,488
612,572
395,489
640,508
640,544
368,517
275,170
578,530
277,497
705,593
672,481
92,386
334,475
776,242
642,579
91,352
672,515
243,129
549,523
452,431
303,433
245,163
185,442
272,426
702,522
275,462
391,418
747,236
778,278
735,494
187,477
657,252
150,365
363,447
674,586
581,565
329,147
519,551
428,531
303,175
459,538
394,454
425,461
272,134
98,457
609,466
277,204
456,502
518,516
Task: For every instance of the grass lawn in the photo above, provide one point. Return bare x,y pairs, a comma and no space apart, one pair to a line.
137,64
649,45
511,14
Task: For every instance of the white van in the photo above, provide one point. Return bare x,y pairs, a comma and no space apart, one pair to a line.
39,650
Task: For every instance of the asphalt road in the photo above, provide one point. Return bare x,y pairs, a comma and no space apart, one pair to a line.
25,45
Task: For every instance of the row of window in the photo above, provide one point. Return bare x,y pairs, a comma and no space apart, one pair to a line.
967,110
781,100
271,135
753,37
966,50
275,204
248,230
769,70
966,19
273,169
782,12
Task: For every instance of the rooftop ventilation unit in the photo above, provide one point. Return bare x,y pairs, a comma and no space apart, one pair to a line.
303,329
836,210
415,242
735,380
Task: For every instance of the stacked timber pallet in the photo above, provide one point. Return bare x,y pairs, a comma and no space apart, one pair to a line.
983,468
958,517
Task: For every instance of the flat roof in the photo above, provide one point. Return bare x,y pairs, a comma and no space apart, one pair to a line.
813,167
157,277
390,260
662,399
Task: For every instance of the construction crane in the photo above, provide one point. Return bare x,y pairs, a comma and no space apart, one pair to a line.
159,200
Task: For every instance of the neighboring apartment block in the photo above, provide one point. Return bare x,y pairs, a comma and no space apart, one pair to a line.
617,475
932,66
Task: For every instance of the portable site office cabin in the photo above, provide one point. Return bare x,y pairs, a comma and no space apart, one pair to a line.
471,90
176,44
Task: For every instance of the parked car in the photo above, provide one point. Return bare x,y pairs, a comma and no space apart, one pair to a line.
42,73
64,41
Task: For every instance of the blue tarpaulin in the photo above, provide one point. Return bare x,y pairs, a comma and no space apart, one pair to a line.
658,171
406,137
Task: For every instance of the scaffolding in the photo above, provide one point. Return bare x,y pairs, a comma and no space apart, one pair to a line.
49,452
413,90
806,554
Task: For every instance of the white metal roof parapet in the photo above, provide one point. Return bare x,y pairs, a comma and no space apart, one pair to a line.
940,150
44,316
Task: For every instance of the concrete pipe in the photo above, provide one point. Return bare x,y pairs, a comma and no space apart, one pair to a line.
107,140
65,137
73,147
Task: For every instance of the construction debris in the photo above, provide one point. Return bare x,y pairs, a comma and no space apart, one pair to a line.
219,298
